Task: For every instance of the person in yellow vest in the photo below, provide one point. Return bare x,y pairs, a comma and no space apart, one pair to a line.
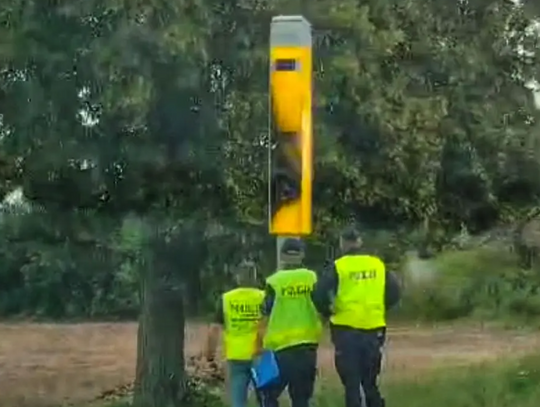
291,327
238,315
355,293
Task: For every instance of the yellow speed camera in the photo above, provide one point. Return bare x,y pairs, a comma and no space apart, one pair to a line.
291,144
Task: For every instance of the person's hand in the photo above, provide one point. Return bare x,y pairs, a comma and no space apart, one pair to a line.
207,355
211,361
258,352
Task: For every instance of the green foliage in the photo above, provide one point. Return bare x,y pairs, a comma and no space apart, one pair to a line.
403,128
123,120
483,282
54,268
55,265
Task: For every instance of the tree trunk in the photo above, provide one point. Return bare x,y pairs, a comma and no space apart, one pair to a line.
160,376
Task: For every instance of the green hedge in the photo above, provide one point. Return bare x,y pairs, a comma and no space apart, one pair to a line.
483,282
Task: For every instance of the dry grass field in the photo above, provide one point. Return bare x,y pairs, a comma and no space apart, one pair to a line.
53,364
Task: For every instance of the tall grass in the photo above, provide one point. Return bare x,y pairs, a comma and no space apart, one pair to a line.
493,384
514,384
484,282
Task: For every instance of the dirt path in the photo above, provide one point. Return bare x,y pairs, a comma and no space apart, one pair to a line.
43,365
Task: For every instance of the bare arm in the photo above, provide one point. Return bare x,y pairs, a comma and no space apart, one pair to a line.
214,333
261,332
268,303
212,340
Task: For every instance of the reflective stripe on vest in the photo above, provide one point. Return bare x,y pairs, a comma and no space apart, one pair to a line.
359,302
242,313
294,319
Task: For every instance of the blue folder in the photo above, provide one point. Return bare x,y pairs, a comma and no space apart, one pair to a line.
265,370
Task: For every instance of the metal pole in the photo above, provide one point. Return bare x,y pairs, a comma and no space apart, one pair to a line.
279,244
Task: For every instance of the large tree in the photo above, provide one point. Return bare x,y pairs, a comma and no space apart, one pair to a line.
430,106
157,111
110,110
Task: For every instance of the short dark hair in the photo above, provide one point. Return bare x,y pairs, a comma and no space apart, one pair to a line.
245,273
292,246
350,234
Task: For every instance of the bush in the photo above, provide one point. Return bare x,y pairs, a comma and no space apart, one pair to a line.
483,282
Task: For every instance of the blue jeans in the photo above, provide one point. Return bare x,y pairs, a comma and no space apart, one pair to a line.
239,381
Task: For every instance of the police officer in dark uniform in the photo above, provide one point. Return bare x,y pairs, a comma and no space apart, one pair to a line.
355,292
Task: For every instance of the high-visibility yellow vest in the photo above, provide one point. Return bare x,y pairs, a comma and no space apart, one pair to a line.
242,313
294,319
359,301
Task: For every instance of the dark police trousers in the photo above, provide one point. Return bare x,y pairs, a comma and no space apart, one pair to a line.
358,357
297,370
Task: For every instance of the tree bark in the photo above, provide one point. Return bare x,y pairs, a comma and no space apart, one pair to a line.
160,376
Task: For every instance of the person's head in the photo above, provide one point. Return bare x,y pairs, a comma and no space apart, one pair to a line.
350,239
291,253
245,274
